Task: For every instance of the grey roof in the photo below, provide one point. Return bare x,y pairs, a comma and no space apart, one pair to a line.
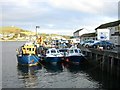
89,35
111,24
78,30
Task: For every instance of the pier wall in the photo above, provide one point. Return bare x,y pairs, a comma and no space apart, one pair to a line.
107,60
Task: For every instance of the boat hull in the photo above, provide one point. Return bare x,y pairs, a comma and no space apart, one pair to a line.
53,59
75,59
30,60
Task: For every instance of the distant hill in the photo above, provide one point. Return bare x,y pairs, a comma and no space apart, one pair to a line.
9,29
15,30
18,32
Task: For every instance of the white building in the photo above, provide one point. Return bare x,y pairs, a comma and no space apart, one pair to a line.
1,36
84,34
110,31
88,36
80,32
75,40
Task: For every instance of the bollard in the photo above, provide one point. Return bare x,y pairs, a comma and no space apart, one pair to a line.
112,62
103,60
96,57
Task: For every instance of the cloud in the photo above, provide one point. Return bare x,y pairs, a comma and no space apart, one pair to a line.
87,6
79,5
23,3
56,31
24,9
50,25
58,15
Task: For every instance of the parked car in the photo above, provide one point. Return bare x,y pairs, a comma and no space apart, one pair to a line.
104,44
84,42
90,43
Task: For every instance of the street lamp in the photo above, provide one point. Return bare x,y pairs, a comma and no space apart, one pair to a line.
36,30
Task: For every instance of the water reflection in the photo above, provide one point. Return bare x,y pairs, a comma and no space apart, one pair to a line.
74,68
28,75
95,74
53,67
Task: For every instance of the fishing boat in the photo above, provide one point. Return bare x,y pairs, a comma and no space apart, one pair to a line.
74,55
53,56
26,54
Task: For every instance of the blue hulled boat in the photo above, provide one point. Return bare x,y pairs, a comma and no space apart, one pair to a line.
26,55
74,55
53,56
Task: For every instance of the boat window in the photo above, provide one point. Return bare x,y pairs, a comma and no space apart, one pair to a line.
53,51
29,49
76,51
71,51
61,50
79,51
33,49
47,51
65,50
57,51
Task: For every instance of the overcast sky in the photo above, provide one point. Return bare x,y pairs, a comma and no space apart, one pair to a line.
58,16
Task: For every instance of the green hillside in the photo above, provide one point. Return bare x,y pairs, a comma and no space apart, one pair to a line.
15,30
10,29
19,33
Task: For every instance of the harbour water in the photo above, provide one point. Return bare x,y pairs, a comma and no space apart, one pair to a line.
51,76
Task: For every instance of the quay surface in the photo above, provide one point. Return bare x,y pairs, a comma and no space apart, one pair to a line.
115,53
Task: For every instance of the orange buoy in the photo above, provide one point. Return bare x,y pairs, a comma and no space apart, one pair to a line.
67,60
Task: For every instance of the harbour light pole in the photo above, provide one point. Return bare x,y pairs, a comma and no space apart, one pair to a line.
36,30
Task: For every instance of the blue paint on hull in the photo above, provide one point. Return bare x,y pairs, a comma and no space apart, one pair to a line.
26,69
28,59
76,58
53,59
